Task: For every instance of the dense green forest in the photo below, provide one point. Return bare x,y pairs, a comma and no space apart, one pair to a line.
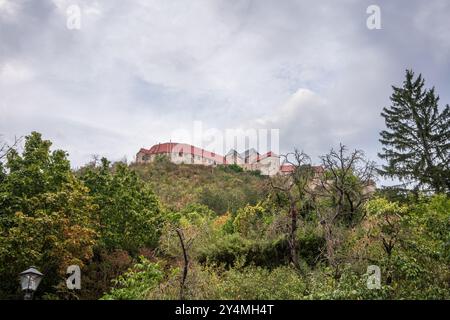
166,231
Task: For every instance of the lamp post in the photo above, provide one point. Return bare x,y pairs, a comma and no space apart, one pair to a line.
29,282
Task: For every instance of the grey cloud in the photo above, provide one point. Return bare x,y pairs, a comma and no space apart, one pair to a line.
139,70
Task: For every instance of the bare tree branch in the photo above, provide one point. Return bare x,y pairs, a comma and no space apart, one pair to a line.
294,186
6,148
346,183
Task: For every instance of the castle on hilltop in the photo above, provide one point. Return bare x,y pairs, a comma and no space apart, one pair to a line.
268,163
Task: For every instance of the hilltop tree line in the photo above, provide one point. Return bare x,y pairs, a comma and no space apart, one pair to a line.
166,231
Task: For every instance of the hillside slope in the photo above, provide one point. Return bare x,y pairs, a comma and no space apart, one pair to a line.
222,188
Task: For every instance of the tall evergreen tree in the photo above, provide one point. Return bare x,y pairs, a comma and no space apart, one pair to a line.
416,143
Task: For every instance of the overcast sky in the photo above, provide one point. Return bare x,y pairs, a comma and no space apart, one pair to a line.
136,71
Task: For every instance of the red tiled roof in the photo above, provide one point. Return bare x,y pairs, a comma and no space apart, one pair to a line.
287,168
173,147
266,155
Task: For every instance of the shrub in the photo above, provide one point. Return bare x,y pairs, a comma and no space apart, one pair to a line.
256,283
104,267
229,248
137,282
233,167
251,221
130,214
250,283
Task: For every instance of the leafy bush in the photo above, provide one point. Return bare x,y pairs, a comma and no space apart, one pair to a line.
130,215
232,168
229,248
208,282
137,282
251,221
256,283
101,270
351,285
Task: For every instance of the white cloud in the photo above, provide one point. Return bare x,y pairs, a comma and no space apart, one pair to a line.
14,72
8,9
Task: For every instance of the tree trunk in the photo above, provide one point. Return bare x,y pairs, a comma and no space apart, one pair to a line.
292,236
186,264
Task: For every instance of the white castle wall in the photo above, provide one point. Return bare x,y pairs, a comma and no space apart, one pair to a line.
267,166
